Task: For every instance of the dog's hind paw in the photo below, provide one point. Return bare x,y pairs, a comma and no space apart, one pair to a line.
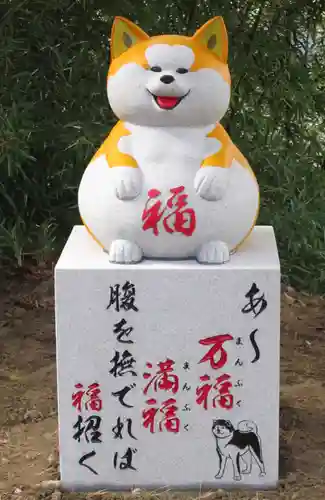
213,252
124,252
246,470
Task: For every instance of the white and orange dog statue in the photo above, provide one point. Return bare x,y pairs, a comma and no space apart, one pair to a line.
168,182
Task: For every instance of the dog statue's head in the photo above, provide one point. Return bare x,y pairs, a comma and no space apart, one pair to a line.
222,428
169,80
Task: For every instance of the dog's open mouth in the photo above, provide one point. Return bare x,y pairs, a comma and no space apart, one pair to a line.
168,102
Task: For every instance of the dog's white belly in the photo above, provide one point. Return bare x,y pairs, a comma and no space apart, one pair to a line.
167,166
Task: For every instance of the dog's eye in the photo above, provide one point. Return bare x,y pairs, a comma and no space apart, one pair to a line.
156,69
182,71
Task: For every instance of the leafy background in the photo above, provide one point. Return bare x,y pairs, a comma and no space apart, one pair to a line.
54,114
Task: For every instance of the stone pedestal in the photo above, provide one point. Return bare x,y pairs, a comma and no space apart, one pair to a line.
168,372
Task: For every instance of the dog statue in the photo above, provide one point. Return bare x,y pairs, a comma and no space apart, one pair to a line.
168,182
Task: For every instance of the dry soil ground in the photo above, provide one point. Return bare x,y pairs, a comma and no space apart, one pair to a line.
28,422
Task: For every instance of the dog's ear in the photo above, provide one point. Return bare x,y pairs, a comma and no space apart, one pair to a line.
213,36
229,425
124,35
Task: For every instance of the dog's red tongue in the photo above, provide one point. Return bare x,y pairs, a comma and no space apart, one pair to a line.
167,102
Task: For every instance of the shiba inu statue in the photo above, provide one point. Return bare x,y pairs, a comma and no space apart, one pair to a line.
168,182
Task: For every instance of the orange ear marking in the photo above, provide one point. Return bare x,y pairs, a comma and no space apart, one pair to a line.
125,34
213,35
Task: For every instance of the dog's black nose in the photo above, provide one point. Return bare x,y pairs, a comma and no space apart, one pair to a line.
167,79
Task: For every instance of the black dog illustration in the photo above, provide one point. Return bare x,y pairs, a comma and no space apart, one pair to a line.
234,443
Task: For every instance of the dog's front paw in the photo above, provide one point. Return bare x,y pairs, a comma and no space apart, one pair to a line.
211,182
237,478
213,252
128,182
219,475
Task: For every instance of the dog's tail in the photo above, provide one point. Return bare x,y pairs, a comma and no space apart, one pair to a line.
247,426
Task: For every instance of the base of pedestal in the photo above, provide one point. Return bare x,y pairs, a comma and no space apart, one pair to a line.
168,372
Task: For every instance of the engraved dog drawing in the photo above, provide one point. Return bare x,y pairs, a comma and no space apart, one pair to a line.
235,444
